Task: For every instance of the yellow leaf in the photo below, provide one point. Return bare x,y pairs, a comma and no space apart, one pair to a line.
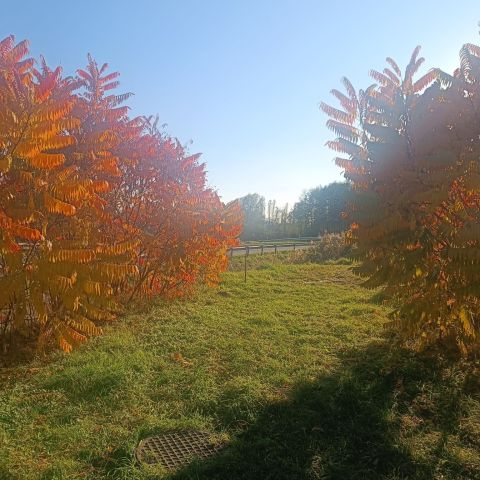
5,163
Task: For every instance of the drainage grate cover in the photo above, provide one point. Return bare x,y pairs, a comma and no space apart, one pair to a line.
174,450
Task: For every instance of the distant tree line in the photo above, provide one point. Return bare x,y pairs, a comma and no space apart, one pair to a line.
318,211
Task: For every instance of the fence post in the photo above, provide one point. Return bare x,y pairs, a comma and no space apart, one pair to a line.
245,266
275,249
294,245
261,250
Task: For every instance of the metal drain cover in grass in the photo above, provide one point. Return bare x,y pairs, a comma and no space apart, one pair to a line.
174,450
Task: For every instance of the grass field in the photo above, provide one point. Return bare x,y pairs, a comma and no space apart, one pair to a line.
292,369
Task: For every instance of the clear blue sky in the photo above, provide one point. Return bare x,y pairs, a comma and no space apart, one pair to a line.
243,79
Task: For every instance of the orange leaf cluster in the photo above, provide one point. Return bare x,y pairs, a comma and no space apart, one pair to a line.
95,207
411,149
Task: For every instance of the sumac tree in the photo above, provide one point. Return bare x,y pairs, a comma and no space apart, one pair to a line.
411,149
95,206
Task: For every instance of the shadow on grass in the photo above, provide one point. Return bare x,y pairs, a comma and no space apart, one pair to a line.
344,425
7,475
18,351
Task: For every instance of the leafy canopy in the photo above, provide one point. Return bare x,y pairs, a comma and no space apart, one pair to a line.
95,207
410,146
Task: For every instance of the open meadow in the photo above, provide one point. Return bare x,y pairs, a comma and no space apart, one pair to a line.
292,370
201,278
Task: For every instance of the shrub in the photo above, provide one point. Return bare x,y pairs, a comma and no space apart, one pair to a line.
95,206
411,151
331,246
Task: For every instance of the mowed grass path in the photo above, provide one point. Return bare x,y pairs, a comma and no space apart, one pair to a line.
291,369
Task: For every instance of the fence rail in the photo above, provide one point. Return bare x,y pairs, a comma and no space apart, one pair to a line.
280,240
261,248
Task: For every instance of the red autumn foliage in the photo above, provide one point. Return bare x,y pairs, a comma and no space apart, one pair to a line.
96,207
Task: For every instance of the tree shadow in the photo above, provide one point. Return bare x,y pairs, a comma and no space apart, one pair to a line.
18,351
343,425
6,474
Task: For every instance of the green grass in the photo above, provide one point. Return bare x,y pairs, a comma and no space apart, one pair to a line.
292,369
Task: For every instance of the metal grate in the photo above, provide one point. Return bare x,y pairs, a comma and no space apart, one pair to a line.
174,450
